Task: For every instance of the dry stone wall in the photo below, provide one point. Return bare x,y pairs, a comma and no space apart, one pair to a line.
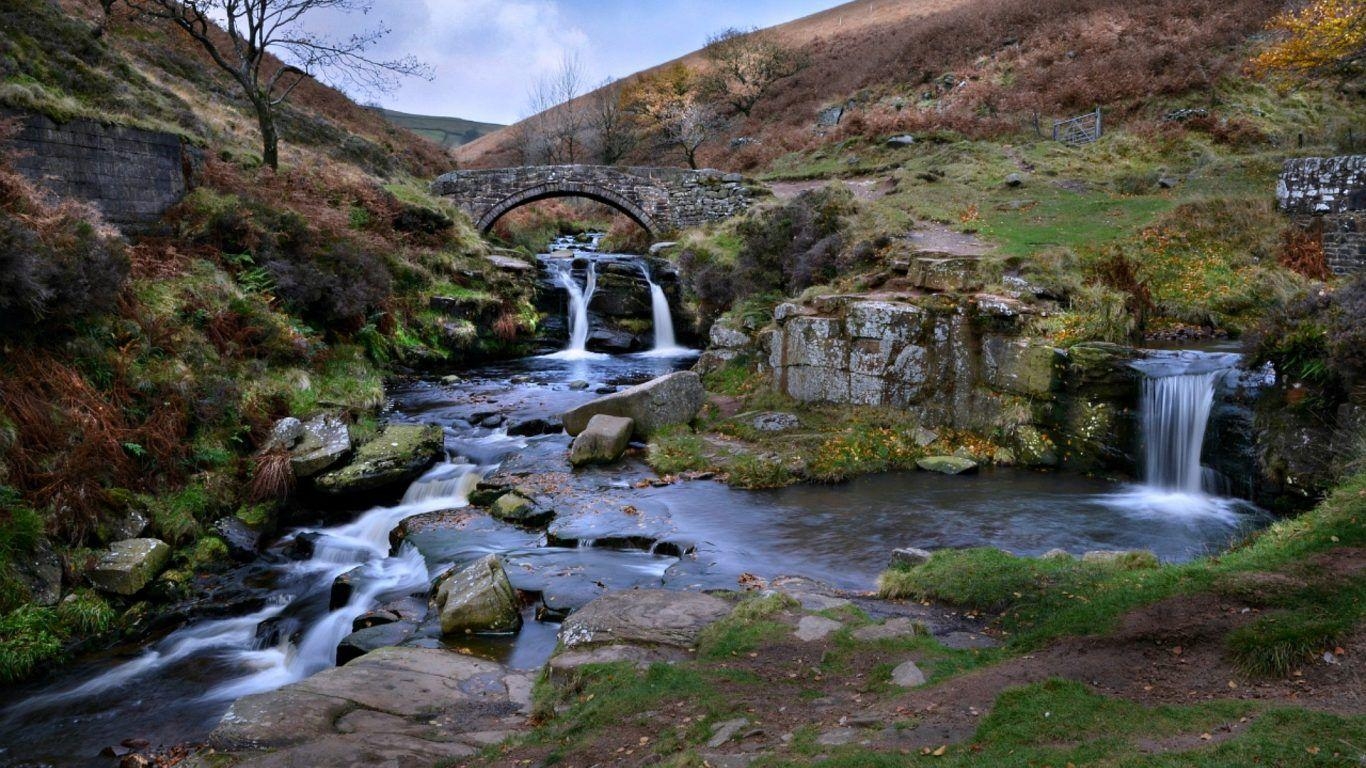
1329,194
131,175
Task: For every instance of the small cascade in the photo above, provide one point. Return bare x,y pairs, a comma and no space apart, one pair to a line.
1176,412
663,317
579,299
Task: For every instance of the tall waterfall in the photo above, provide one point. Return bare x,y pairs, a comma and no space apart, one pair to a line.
663,317
579,299
1176,412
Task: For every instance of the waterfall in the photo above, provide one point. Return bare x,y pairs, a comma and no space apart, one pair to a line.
663,318
1175,413
579,299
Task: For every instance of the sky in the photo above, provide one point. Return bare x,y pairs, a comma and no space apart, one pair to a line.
488,54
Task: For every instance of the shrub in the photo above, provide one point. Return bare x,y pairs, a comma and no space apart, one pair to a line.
1318,342
336,285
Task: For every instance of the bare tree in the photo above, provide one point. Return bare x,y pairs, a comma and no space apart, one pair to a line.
613,133
745,64
555,132
669,106
258,30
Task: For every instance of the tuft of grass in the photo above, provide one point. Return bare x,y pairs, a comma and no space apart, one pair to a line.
29,640
757,473
84,613
676,449
1276,644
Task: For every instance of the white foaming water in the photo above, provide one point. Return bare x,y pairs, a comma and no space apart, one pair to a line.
579,299
1178,396
665,344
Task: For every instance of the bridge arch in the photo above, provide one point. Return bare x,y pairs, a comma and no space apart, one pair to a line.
566,189
661,200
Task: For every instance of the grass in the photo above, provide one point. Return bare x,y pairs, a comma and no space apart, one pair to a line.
676,449
33,637
1039,600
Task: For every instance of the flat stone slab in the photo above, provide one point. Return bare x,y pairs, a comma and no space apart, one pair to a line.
894,628
649,617
395,706
812,628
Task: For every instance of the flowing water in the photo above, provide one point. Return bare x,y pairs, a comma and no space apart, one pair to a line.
665,344
611,533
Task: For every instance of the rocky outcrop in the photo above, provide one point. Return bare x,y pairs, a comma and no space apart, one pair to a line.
478,598
668,400
130,565
398,455
395,706
603,441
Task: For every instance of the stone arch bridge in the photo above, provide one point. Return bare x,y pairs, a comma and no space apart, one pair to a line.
659,199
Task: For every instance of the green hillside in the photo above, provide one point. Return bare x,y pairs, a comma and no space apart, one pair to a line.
447,131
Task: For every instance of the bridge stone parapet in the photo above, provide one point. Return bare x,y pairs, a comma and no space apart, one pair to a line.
659,199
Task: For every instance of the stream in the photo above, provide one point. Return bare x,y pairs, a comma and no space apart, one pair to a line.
614,530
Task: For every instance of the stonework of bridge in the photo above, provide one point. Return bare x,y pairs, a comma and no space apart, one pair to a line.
661,200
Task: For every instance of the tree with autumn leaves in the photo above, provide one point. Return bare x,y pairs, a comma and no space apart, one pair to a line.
1322,39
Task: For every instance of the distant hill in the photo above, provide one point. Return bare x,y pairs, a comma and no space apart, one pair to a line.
449,132
979,67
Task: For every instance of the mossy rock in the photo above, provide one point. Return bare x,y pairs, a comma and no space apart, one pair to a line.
398,455
947,465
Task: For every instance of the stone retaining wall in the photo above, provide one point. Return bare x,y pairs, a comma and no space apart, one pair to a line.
1332,189
132,176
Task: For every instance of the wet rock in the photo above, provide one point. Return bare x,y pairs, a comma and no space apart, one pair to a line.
603,441
535,426
363,641
775,422
243,541
130,565
478,599
643,617
40,571
398,455
302,546
343,587
492,422
668,400
909,557
376,618
812,628
578,385
518,509
325,442
276,631
612,341
947,465
908,675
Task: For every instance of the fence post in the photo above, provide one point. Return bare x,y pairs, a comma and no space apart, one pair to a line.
1099,130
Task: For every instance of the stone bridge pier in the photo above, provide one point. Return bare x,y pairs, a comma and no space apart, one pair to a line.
661,200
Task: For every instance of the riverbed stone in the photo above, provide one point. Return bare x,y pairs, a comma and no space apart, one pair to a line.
643,617
909,557
130,565
394,706
478,598
398,455
665,401
520,509
326,440
947,465
603,441
363,641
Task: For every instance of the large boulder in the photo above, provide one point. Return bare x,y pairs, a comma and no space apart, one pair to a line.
603,441
398,455
477,599
644,617
668,400
130,565
323,442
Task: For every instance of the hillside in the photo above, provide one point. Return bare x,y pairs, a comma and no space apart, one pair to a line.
976,66
449,132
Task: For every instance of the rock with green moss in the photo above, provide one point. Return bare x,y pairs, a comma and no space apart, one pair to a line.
947,465
519,509
1021,366
478,599
130,565
398,455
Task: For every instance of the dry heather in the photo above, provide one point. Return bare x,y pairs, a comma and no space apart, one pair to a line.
980,67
